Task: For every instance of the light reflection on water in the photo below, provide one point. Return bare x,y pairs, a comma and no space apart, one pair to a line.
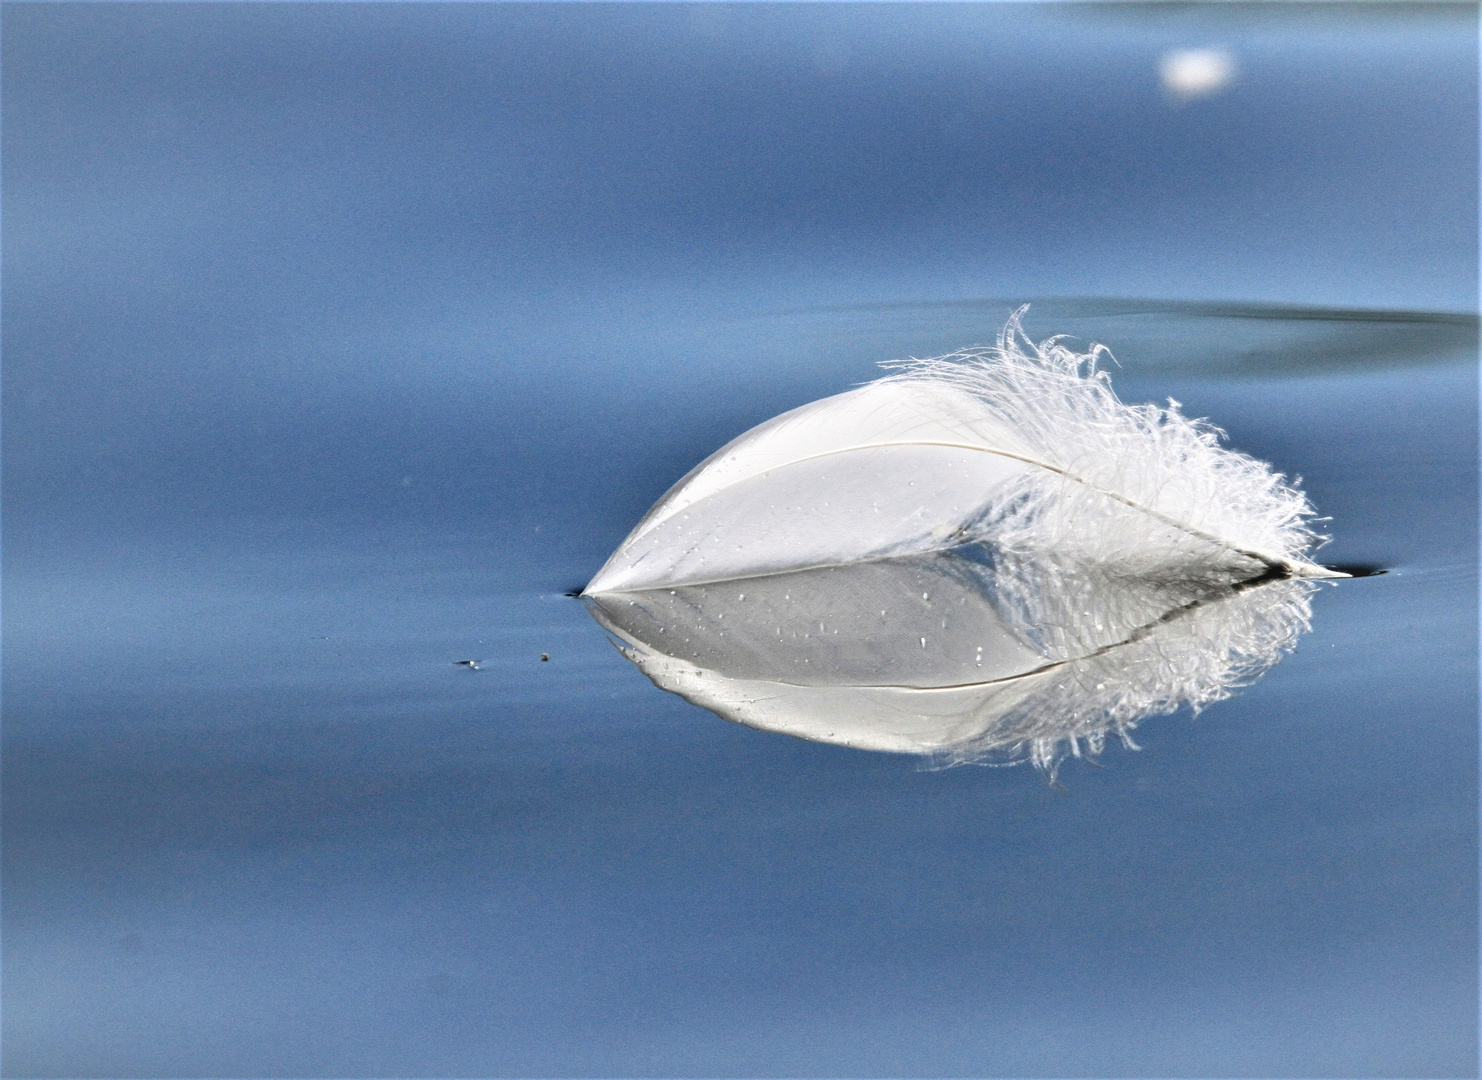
1169,338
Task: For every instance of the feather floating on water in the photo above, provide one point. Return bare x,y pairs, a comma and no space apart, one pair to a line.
981,555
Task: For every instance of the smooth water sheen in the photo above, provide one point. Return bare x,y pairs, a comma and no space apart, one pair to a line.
342,341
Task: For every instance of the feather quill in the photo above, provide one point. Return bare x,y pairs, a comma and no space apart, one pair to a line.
981,556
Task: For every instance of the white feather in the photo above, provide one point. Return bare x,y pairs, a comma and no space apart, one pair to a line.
1092,563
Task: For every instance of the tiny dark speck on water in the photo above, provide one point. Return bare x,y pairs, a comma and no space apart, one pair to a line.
544,657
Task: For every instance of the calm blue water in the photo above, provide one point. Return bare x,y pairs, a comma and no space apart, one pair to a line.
341,341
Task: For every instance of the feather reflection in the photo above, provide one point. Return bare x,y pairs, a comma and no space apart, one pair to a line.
936,654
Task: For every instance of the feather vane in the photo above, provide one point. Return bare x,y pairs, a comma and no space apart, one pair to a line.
983,555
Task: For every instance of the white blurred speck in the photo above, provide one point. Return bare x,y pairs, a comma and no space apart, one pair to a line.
1195,73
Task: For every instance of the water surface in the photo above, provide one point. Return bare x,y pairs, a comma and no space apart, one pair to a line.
341,342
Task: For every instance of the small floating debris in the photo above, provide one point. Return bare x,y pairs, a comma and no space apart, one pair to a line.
545,657
471,665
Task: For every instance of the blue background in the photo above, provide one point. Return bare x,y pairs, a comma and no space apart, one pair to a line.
341,340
